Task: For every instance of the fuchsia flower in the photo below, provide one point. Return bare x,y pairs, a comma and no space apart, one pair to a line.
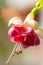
23,35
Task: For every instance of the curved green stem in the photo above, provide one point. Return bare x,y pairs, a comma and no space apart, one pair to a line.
39,4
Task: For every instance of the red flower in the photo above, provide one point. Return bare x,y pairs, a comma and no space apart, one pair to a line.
25,36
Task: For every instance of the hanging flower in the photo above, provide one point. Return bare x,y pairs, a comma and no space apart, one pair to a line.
22,35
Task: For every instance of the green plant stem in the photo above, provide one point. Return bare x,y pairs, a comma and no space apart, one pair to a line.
39,4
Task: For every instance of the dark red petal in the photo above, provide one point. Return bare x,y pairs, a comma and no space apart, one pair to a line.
30,41
36,39
26,36
21,29
19,38
30,38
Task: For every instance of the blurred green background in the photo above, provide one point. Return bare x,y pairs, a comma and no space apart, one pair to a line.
30,56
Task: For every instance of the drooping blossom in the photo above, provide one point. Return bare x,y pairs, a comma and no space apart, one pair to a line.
22,35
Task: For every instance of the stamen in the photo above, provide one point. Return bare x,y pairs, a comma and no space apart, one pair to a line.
11,53
18,49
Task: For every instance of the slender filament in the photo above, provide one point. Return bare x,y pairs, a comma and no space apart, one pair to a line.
11,54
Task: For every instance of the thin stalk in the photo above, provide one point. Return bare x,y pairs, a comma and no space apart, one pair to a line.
11,54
